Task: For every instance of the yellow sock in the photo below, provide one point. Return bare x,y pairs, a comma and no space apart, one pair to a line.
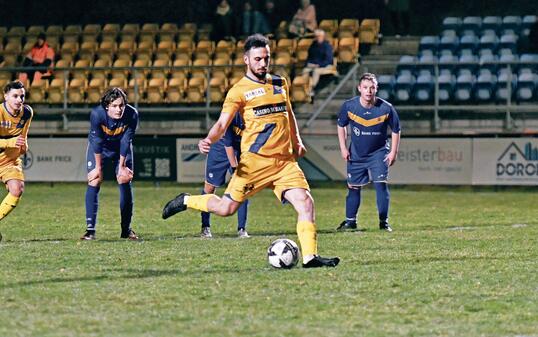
308,239
8,204
199,202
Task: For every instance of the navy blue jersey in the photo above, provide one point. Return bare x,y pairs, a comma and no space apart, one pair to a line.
113,135
368,126
231,138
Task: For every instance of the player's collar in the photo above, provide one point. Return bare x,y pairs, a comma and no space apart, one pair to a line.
9,112
255,80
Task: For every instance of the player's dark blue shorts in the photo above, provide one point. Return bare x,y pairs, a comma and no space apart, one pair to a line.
108,156
216,166
373,168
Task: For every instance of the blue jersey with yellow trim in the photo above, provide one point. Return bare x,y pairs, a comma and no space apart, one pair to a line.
231,138
368,125
112,134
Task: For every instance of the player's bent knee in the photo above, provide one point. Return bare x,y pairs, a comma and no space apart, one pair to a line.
16,189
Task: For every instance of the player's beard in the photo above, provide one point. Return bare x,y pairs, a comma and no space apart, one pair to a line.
259,75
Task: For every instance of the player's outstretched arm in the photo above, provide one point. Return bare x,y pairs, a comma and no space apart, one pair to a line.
342,137
216,132
230,153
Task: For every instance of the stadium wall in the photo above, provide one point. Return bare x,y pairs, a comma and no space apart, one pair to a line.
429,161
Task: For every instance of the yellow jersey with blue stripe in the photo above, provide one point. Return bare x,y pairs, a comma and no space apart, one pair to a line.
13,125
265,108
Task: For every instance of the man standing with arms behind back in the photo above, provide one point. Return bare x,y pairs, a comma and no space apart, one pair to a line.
369,155
269,146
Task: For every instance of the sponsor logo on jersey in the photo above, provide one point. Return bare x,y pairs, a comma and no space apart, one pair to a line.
356,131
5,124
254,93
269,109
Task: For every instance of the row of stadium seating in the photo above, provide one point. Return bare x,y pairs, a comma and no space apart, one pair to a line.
517,24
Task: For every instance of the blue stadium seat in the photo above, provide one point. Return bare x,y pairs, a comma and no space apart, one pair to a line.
449,43
471,23
492,22
423,90
504,81
447,62
527,23
512,22
452,23
446,87
469,42
427,52
509,41
489,42
429,43
526,87
485,88
464,88
488,62
425,63
488,31
468,62
529,62
407,64
403,88
385,86
507,63
449,32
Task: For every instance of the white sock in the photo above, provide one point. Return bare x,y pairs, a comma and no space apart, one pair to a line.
308,258
185,198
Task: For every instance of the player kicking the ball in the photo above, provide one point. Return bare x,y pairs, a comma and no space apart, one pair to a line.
269,147
113,125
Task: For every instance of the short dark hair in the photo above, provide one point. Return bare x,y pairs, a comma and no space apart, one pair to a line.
13,85
255,41
111,95
368,77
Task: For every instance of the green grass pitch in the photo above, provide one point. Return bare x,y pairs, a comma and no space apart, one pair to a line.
461,262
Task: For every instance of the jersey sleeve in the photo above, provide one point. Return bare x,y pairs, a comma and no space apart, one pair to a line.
394,120
233,102
128,135
96,136
343,119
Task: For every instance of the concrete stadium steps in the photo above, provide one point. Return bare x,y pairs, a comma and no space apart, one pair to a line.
390,50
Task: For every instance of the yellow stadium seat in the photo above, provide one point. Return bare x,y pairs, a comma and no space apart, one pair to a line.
239,47
87,50
234,80
221,68
187,32
144,50
348,48
185,47
54,42
62,63
204,32
16,32
180,72
176,90
300,90
33,32
200,72
117,82
136,93
156,90
72,33
81,73
91,29
282,30
106,48
348,28
160,73
13,48
329,26
196,90
283,64
28,46
217,89
120,73
110,32
5,76
285,46
168,32
126,50
140,72
369,31
54,30
204,49
101,73
130,29
37,91
69,48
76,90
302,50
224,49
238,67
56,91
95,89
149,31
165,49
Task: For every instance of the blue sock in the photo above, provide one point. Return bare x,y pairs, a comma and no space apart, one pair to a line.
205,216
353,201
126,206
242,215
383,199
92,204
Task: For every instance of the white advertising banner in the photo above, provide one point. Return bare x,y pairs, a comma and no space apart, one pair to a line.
505,161
439,161
190,162
323,155
55,159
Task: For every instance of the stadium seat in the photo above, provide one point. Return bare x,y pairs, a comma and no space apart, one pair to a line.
282,65
426,64
447,63
141,73
467,62
62,63
469,42
407,64
526,24
126,50
156,90
529,62
403,88
471,23
110,32
385,86
33,31
488,62
80,71
449,42
464,88
196,90
492,22
200,72
165,49
54,42
485,88
182,71
217,89
15,33
282,30
95,89
238,67
224,49
69,49
186,48
101,73
452,23
87,50
136,90
526,87
76,90
120,73
429,43
72,33
5,76
302,50
423,89
118,82
37,91
512,22
175,93
130,29
168,32
285,46
490,42
348,49
508,63
221,68
187,32
505,86
509,41
160,73
446,87
348,28
330,26
27,47
204,50
54,30
56,91
106,50
148,32
300,89
369,31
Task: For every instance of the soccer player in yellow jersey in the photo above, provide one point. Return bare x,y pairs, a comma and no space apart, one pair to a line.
269,147
15,118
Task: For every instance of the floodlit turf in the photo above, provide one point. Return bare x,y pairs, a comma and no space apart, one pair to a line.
459,263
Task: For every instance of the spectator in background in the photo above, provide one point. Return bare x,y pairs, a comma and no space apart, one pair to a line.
399,13
253,21
320,59
40,56
223,21
272,17
304,21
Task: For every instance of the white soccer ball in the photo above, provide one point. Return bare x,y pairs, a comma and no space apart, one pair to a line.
283,253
